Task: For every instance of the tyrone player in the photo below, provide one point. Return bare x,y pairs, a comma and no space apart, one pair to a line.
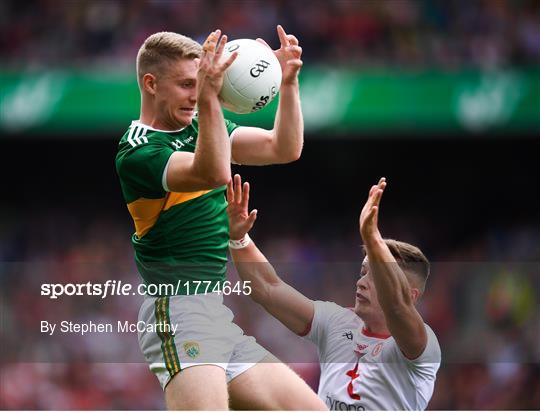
380,355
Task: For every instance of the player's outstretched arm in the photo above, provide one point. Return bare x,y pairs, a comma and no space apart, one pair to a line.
282,144
209,166
393,289
279,299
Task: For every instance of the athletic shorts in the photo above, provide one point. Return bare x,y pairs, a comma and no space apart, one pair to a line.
184,331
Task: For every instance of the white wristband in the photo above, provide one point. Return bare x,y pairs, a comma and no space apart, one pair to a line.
240,244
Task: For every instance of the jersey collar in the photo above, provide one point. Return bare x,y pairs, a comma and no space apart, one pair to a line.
368,333
139,123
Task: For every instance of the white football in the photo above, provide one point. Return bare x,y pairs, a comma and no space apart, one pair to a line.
254,78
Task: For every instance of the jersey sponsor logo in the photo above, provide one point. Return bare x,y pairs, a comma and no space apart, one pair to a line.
137,136
336,405
348,335
177,144
360,349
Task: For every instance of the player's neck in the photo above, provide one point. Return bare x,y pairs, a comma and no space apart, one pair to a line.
148,119
376,327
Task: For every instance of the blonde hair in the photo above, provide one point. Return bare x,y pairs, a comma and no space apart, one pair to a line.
163,48
410,259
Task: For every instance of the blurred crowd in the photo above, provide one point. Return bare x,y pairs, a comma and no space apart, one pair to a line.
394,33
481,301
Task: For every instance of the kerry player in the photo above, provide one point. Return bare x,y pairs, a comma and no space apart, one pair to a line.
173,165
379,355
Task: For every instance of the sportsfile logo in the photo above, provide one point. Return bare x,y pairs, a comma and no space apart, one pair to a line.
119,288
109,288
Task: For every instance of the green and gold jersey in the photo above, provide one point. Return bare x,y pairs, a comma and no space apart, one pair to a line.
179,237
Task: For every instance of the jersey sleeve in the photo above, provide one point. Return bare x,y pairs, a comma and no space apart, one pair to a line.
231,127
324,313
423,369
430,357
141,169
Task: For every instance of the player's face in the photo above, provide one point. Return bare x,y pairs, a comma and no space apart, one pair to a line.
366,304
176,93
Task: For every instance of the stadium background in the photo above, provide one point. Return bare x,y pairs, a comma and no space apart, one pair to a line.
442,98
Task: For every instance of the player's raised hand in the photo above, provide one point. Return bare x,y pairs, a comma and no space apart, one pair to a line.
212,66
369,229
240,221
289,55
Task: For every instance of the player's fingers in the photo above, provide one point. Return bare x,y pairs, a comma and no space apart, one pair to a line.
292,39
282,36
296,63
237,189
377,194
381,185
252,217
372,214
377,197
245,195
371,196
230,192
295,50
209,45
227,63
263,42
221,46
206,44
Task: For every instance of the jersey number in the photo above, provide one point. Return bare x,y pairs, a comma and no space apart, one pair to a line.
353,374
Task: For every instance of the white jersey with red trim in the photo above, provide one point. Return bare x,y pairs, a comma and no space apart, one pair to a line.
364,371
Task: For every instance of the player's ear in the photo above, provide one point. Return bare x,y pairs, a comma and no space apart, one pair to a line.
415,294
149,83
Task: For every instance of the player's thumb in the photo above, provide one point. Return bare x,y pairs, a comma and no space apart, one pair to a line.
252,217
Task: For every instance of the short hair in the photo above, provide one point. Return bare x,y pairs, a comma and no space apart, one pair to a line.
409,258
162,48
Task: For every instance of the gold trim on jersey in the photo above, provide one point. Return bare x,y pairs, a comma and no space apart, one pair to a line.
145,212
